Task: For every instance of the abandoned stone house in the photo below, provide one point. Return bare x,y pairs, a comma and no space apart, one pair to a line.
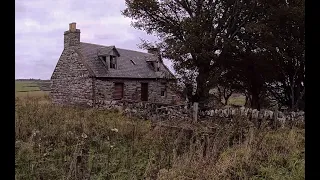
91,74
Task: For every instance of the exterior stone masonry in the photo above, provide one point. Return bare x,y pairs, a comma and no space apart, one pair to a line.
71,82
132,90
74,83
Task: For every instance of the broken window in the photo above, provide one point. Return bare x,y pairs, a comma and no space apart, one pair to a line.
113,62
104,59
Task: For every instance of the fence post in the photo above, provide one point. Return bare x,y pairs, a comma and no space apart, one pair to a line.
195,112
275,116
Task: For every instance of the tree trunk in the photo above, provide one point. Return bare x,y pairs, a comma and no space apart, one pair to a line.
202,91
255,101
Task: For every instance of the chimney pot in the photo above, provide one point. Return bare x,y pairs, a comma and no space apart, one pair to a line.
72,27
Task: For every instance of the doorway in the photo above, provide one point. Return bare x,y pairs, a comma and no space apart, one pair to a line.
144,91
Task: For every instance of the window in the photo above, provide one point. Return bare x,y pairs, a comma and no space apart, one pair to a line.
144,91
158,66
163,89
151,64
118,91
113,62
163,92
104,59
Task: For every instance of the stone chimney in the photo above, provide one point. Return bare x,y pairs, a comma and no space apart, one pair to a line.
72,36
154,51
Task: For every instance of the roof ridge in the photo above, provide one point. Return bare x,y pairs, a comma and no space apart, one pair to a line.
98,44
135,51
116,47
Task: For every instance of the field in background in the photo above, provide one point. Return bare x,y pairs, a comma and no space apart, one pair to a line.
237,99
33,88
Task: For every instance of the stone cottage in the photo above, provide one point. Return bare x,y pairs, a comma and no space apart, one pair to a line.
90,74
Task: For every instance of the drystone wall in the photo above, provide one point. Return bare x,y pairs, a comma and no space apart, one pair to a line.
161,112
147,110
254,114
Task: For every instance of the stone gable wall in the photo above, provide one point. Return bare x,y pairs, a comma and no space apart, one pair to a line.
70,81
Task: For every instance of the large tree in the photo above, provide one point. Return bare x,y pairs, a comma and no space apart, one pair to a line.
193,34
279,31
287,45
255,46
267,56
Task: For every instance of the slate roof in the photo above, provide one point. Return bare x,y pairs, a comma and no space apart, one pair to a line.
125,68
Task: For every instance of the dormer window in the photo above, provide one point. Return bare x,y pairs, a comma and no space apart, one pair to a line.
113,62
104,59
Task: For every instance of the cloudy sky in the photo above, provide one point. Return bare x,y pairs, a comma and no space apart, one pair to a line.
39,27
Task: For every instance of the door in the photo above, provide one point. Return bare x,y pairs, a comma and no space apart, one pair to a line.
118,91
144,91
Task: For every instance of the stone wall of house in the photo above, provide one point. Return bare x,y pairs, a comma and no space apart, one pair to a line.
70,81
104,89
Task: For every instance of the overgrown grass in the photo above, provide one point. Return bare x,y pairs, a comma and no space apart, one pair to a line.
276,154
55,142
39,94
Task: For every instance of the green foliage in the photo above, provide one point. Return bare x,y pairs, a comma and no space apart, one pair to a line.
191,32
260,45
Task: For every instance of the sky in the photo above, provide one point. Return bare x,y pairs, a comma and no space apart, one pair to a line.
40,24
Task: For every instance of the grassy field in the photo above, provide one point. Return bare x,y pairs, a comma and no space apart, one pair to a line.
55,142
237,99
31,88
26,86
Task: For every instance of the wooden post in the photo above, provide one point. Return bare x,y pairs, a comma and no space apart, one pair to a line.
195,112
275,116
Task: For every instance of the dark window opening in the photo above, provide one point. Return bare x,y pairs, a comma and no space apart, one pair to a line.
163,89
144,91
163,92
118,91
113,62
152,65
104,59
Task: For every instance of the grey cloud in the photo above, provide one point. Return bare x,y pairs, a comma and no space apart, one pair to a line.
40,25
102,7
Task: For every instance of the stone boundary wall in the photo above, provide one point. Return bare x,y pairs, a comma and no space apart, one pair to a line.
254,114
160,112
146,110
